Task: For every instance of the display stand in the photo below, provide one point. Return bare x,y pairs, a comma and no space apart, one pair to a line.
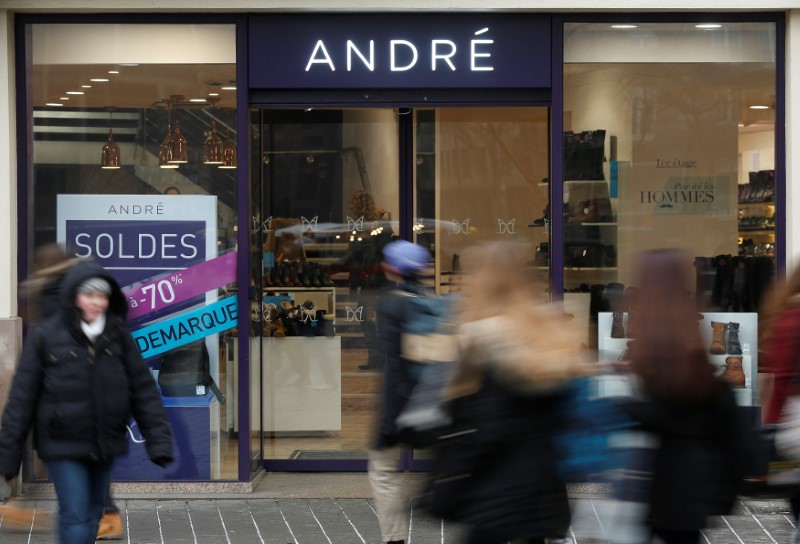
196,437
610,349
295,384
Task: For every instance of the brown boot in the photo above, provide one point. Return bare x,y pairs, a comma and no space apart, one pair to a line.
718,338
110,527
733,373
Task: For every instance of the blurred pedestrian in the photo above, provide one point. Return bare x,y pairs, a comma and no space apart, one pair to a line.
79,380
519,355
779,346
41,294
403,262
698,465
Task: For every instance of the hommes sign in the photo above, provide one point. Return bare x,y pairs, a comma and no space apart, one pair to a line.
399,51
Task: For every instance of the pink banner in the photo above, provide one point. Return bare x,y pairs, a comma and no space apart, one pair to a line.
177,286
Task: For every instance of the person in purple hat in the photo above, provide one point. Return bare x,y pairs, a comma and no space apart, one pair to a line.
403,263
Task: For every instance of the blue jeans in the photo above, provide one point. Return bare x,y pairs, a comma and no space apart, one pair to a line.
82,490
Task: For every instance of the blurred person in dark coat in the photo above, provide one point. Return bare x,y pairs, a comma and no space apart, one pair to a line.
698,465
79,380
403,262
519,356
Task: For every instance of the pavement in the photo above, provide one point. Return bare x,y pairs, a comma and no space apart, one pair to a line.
336,509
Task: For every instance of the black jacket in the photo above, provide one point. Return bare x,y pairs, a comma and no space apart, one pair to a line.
699,466
79,396
500,472
399,379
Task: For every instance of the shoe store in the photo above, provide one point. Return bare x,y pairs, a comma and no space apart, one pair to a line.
240,173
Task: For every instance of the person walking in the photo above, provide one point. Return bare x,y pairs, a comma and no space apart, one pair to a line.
79,380
698,465
779,361
500,476
402,263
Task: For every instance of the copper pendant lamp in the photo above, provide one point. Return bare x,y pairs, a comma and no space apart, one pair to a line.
228,152
110,159
165,153
180,153
212,147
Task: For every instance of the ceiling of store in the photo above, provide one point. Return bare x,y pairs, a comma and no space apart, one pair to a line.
140,86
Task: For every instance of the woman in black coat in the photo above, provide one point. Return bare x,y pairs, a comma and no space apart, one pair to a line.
500,475
698,464
79,380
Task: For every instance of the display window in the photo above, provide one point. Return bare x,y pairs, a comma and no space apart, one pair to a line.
133,130
669,141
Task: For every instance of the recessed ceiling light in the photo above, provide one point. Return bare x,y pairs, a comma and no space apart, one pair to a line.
55,104
708,26
128,64
228,88
213,94
198,100
64,98
99,79
759,107
74,92
86,86
113,71
624,26
741,125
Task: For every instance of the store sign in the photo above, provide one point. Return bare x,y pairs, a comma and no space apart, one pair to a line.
399,51
136,237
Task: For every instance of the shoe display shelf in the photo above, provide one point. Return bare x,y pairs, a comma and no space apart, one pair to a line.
756,215
612,349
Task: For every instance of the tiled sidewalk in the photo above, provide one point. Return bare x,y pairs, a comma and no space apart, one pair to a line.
352,521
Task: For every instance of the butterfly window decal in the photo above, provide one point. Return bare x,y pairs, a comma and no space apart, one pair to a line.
460,227
354,315
309,224
267,225
355,224
309,314
506,227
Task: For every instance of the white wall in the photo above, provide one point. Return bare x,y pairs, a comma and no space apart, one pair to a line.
8,171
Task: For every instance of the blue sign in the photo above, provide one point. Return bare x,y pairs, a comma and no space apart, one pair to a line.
187,327
380,51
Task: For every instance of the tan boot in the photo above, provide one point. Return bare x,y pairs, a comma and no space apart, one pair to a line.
110,527
734,374
717,338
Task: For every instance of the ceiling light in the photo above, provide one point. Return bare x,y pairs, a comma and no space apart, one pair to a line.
86,86
99,79
198,100
228,87
113,71
128,64
624,26
74,92
708,26
759,107
54,104
213,94
64,98
180,153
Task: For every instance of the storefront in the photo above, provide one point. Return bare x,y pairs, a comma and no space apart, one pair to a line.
299,144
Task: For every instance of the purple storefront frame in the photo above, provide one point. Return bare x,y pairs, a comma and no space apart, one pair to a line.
246,98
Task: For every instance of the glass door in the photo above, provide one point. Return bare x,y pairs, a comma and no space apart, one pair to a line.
327,200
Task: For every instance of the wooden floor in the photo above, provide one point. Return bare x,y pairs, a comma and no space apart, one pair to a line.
359,407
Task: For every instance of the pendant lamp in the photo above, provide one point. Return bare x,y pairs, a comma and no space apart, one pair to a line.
228,152
180,153
110,156
165,154
212,147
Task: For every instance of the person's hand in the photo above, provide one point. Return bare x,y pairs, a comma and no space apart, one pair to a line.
162,461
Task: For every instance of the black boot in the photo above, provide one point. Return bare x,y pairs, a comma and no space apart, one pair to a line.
734,347
617,329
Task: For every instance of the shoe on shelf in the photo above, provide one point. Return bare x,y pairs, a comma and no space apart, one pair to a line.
110,527
718,338
734,373
734,346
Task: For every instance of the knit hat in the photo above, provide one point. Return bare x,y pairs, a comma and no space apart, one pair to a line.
409,259
95,284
